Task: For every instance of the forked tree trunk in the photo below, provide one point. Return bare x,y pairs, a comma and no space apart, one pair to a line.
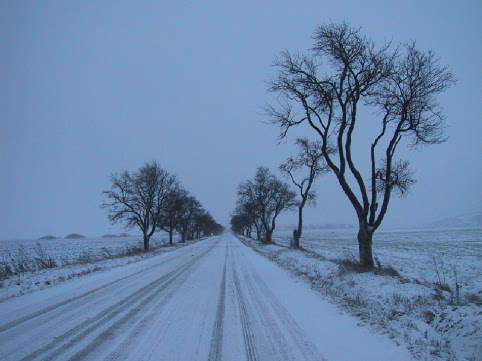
365,244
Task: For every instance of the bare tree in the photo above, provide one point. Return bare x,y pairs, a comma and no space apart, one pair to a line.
185,225
241,223
247,215
309,156
172,213
205,225
344,73
138,198
268,197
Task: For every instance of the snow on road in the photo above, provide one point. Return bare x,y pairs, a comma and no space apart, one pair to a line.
214,300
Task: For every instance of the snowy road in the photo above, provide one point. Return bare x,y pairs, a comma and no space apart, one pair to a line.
214,300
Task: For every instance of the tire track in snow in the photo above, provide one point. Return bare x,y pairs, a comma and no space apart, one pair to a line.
63,303
300,340
169,320
217,338
146,294
274,334
130,317
147,319
249,344
81,331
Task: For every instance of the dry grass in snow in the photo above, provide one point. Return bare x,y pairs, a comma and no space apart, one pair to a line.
426,292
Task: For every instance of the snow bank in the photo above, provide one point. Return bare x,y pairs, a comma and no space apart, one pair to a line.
429,300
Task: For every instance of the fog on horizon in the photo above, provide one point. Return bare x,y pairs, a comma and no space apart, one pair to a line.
90,89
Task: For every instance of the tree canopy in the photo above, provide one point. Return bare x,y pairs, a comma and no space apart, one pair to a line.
344,74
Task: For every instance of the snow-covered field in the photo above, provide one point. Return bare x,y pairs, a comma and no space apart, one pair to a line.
30,265
415,253
70,251
427,295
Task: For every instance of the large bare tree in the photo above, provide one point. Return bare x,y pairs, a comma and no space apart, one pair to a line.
138,198
267,197
309,159
344,75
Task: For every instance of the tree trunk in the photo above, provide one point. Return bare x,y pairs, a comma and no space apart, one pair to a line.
298,232
146,243
183,237
365,244
269,231
269,236
170,237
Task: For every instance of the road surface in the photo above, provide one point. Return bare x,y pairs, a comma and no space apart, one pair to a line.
214,300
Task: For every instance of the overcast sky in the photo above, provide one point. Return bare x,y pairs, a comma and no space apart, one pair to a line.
92,88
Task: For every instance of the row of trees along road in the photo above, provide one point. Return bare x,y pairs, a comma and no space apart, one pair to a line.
152,199
347,82
260,201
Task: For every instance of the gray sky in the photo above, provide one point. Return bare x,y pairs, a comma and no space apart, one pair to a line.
91,88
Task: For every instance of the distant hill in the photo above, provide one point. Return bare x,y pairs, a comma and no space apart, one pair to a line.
124,235
460,221
110,236
74,236
47,237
